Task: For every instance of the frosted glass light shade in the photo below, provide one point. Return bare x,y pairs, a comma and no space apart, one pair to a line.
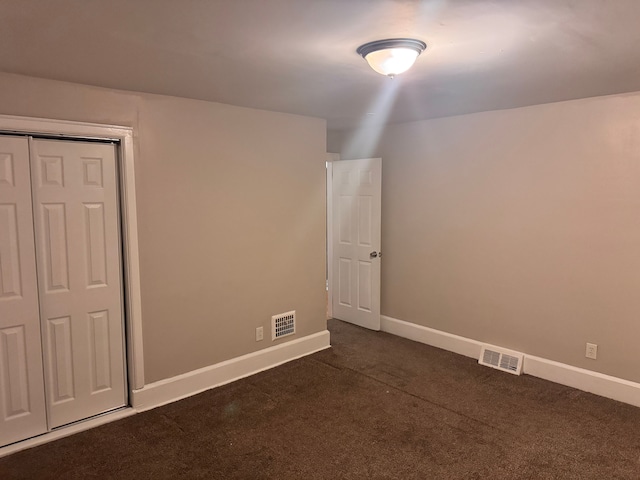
392,57
392,61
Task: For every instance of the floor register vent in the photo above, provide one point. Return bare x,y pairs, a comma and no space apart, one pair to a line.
501,359
283,325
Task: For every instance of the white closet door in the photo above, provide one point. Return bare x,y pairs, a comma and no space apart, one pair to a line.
78,256
22,405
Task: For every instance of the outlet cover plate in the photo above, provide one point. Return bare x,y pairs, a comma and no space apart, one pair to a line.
592,351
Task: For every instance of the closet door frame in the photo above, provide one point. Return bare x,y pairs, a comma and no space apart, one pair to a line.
123,136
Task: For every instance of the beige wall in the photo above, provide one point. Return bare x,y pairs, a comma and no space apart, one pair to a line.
231,216
519,228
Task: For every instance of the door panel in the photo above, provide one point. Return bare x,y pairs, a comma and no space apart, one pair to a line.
61,358
344,281
78,253
100,351
356,200
95,244
55,266
22,401
10,287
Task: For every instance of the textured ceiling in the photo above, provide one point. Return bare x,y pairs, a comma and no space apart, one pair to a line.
298,56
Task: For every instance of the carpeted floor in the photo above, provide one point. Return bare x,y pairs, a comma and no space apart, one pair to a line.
374,406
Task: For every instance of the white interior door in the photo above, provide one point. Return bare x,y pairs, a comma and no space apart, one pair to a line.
79,277
22,404
356,205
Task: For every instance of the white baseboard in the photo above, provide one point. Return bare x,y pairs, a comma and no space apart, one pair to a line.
197,381
435,338
585,380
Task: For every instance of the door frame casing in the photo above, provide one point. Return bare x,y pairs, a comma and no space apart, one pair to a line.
127,190
331,157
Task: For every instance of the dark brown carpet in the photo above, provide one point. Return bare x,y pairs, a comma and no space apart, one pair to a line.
373,406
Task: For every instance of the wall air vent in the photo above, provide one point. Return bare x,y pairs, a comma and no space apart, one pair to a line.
283,325
501,359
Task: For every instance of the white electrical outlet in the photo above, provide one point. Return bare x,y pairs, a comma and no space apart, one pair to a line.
592,351
259,334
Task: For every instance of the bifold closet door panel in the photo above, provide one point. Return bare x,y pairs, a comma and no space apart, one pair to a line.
79,275
22,401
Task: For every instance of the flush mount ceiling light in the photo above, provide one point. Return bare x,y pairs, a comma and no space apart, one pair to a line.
392,56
